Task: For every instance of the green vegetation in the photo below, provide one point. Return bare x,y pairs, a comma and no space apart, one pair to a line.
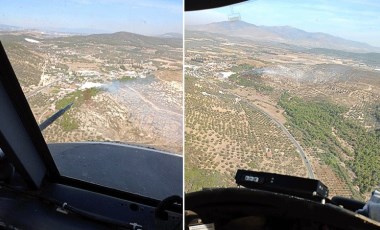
197,179
126,78
246,75
241,68
322,124
68,123
251,79
377,113
78,97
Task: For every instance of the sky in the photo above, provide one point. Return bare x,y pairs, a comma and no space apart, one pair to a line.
357,20
148,17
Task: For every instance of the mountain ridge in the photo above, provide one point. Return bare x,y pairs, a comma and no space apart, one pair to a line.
283,34
79,31
123,37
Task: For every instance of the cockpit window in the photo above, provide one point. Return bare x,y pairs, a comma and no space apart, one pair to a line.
284,87
118,62
113,72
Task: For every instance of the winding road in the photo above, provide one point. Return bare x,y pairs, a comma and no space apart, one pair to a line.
290,136
300,150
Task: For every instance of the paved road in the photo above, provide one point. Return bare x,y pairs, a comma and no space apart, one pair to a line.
294,141
44,87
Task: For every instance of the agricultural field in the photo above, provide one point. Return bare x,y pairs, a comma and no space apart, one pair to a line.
225,133
284,109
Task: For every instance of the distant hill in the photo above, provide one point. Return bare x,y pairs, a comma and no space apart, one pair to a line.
372,59
124,38
9,28
283,34
91,35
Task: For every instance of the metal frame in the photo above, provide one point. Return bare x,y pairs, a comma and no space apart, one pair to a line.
24,146
208,4
20,137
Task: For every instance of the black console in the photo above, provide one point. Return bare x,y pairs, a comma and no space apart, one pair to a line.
296,186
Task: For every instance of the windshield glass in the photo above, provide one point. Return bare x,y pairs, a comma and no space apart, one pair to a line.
287,87
120,64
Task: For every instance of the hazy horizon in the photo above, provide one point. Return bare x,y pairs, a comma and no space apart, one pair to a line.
146,17
79,31
352,19
288,26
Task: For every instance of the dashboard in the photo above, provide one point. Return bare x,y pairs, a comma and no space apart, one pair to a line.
242,208
59,206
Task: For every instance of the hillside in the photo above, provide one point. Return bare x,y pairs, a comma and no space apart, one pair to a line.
283,34
120,38
249,104
125,87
